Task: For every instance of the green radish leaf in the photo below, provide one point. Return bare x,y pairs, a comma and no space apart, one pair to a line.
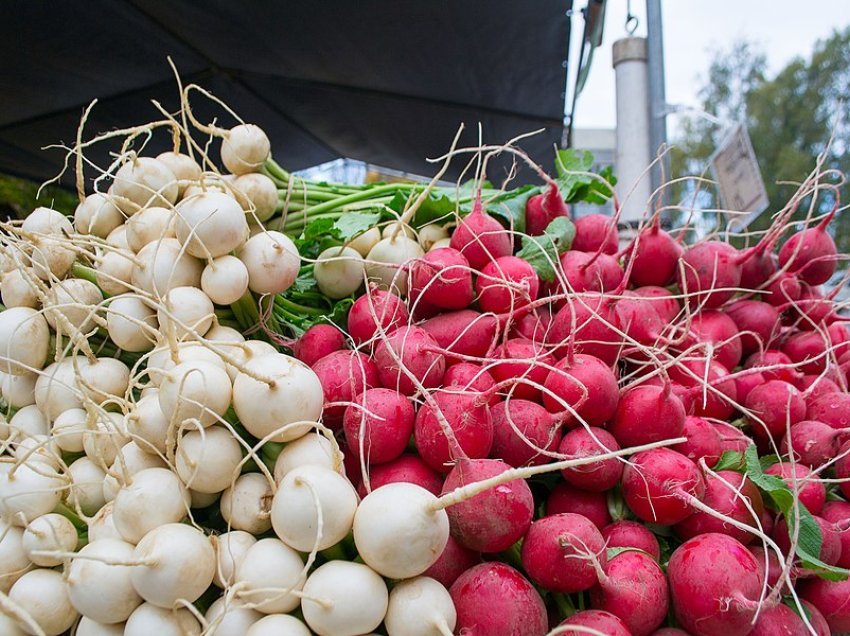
305,282
437,206
351,224
730,460
610,553
318,228
542,252
510,206
581,187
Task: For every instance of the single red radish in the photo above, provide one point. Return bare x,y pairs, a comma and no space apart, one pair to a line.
830,549
506,284
388,308
442,278
657,485
666,305
344,375
567,498
586,323
746,382
773,365
720,333
533,325
703,441
590,271
631,534
838,514
774,406
715,402
524,365
647,414
813,443
596,232
406,468
454,561
585,384
770,563
830,408
471,377
758,266
409,350
595,476
599,621
811,254
842,469
779,619
481,238
832,599
809,349
783,289
655,257
514,417
317,342
384,420
542,209
712,272
465,333
757,322
731,438
809,487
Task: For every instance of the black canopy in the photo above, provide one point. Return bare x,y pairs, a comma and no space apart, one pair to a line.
384,81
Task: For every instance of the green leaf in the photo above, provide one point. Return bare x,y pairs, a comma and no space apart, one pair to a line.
542,252
581,187
610,553
318,228
730,460
511,205
304,282
437,206
351,224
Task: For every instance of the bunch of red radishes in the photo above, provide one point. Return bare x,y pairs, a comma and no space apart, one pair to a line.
658,436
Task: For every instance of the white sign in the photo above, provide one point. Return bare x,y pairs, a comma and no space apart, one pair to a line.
736,171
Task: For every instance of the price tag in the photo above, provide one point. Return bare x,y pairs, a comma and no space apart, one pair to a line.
736,171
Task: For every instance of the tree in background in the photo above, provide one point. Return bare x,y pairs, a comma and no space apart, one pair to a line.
790,117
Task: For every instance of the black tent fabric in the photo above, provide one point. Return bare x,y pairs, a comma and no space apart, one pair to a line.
380,81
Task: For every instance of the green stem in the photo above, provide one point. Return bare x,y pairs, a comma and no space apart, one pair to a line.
87,273
564,604
285,303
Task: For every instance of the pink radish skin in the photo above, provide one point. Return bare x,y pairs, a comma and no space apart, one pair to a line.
813,386
506,284
385,420
566,498
813,443
419,354
592,335
700,401
482,588
785,288
591,271
656,258
711,270
534,422
344,375
542,209
442,278
715,585
729,500
779,619
637,317
471,377
774,567
587,385
481,238
647,414
842,469
703,441
595,476
757,322
466,332
454,561
670,631
603,622
838,514
731,438
525,362
631,534
808,348
832,599
830,551
830,408
317,342
714,328
406,468
776,405
469,418
816,618
811,254
666,305
758,267
596,232
495,519
812,492
533,325
634,588
389,308
559,551
779,366
655,483
746,383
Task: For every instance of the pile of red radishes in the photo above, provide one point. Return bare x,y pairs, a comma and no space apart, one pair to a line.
572,427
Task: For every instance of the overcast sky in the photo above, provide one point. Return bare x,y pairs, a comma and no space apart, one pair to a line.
692,30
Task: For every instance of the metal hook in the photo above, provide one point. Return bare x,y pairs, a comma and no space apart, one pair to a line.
631,19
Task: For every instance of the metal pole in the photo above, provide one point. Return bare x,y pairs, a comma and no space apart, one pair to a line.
657,97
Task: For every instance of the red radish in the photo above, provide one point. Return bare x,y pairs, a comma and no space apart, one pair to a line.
813,443
808,348
560,551
744,383
409,350
655,257
344,375
542,209
711,272
783,289
758,267
482,588
495,519
633,587
590,272
481,238
774,567
779,619
442,278
816,619
698,399
703,441
773,365
838,514
384,419
471,377
588,442
469,419
842,469
730,499
813,386
566,498
809,488
830,408
596,232
637,317
585,322
317,342
720,331
657,483
715,584
665,303
454,561
830,550
524,362
647,414
506,284
466,332
757,322
631,534
530,419
603,622
775,405
585,384
811,254
812,308
389,309
731,438
832,599
533,325
406,468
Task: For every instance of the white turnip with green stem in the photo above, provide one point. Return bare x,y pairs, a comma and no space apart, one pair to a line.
420,607
17,291
147,424
365,241
269,576
68,429
164,265
131,323
28,490
244,148
153,498
105,435
272,261
257,194
148,619
225,280
18,390
130,460
99,583
313,448
230,550
114,271
42,596
210,224
151,224
24,341
344,599
13,559
387,260
175,562
97,215
78,301
229,617
278,625
208,460
50,532
184,168
339,272
313,506
247,503
143,181
85,495
185,311
195,390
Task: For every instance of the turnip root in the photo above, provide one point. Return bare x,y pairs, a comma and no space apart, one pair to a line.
97,215
208,460
272,261
267,574
245,148
229,618
131,323
210,224
246,504
114,271
257,195
365,241
98,589
16,290
185,311
389,260
420,607
49,533
278,625
195,390
29,491
154,497
24,340
149,619
149,225
163,265
339,271
312,448
130,460
88,627
185,168
142,181
43,596
86,492
13,559
230,550
49,251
